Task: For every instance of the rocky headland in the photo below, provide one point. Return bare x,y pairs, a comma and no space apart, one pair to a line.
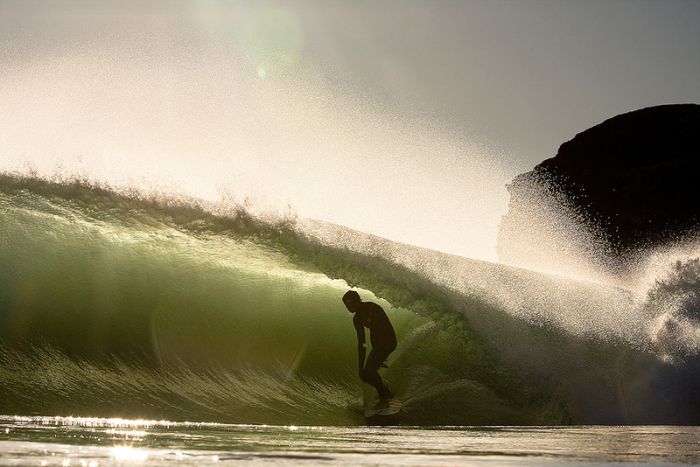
624,186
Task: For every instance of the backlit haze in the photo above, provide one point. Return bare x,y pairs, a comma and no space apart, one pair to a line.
400,118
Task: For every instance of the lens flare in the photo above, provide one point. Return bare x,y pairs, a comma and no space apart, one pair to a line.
271,40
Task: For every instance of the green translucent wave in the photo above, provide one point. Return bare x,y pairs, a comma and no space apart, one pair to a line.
117,305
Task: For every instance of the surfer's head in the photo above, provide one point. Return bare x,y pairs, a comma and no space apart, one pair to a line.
351,299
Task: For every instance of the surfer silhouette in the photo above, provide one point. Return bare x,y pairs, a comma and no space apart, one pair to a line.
382,337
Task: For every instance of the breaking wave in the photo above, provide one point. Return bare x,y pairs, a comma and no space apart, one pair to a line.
119,303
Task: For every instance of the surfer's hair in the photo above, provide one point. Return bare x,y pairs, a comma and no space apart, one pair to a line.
351,295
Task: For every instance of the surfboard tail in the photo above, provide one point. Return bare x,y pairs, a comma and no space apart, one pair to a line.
390,407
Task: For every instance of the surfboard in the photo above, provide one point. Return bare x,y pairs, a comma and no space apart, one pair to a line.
393,408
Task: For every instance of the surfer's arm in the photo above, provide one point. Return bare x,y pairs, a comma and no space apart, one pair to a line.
360,329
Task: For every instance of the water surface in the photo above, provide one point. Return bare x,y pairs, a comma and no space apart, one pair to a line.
99,441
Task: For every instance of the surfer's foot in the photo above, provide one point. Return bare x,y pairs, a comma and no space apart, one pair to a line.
382,404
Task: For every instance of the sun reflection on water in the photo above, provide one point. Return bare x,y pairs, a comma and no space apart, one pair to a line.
128,453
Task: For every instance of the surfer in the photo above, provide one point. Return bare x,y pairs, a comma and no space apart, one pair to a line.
381,334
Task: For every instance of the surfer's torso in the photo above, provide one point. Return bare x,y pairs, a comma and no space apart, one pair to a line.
381,332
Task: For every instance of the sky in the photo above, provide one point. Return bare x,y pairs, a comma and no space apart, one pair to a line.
405,119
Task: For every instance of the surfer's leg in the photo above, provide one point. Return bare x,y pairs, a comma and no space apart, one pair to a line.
370,374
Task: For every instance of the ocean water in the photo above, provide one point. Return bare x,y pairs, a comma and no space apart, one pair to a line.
65,441
229,325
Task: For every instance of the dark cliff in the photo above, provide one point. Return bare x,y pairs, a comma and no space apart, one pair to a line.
630,183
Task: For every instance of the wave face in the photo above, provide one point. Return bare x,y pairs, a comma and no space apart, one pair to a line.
117,304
